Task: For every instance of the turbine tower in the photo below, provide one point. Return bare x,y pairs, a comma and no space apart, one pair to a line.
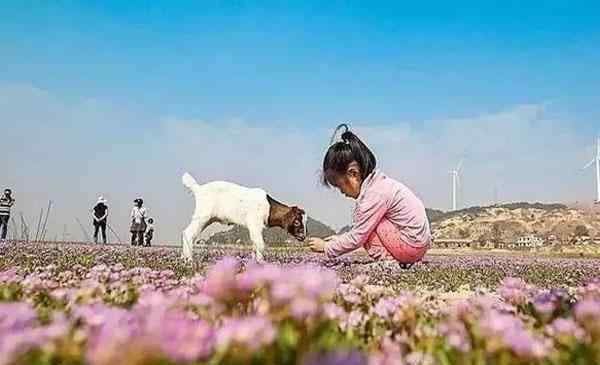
455,182
596,160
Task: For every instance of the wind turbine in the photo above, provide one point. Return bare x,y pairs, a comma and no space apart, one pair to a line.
455,182
596,160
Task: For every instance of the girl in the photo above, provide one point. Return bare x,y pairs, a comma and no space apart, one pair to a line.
138,222
388,220
149,232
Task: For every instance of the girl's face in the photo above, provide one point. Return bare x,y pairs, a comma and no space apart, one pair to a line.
349,184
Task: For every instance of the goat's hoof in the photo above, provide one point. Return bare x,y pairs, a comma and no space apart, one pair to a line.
258,258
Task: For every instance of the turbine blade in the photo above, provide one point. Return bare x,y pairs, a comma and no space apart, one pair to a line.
589,164
460,165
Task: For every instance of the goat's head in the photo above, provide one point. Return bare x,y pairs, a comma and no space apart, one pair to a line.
296,223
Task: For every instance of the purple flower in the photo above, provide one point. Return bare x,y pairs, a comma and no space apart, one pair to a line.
456,335
360,281
353,357
390,354
251,333
20,334
10,276
179,337
220,281
419,358
257,276
355,319
515,290
505,330
546,303
587,314
334,312
564,330
301,308
350,293
16,316
525,345
385,308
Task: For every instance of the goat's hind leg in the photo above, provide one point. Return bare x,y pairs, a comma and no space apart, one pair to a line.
191,233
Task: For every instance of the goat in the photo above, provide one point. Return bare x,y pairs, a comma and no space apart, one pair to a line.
229,203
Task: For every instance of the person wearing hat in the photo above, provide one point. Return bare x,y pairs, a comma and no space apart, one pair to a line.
138,222
100,215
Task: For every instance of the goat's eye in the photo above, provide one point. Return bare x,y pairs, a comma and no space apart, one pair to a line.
297,223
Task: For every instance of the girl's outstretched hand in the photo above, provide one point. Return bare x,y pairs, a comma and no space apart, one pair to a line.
317,244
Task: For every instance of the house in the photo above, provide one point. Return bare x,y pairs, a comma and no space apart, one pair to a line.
528,241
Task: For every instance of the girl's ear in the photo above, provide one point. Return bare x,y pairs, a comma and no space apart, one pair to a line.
353,170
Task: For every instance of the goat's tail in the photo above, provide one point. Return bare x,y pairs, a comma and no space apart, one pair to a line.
188,181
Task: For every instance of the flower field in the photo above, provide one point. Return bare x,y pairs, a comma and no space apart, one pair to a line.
100,305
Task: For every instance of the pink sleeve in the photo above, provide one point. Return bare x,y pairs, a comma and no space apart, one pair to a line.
368,214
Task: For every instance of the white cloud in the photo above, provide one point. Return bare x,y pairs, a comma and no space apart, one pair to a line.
72,151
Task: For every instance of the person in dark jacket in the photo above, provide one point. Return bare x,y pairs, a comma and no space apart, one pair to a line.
100,215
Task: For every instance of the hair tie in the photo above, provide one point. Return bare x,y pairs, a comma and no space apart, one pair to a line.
335,138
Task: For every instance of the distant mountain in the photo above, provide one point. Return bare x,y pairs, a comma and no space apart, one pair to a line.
507,222
438,215
434,214
272,236
344,229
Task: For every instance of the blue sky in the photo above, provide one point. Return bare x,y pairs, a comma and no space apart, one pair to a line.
296,69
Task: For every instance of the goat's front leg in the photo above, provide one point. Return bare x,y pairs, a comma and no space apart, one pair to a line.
256,236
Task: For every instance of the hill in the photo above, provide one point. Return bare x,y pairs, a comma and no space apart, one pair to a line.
507,222
272,236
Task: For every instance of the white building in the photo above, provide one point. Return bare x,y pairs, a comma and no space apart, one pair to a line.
529,241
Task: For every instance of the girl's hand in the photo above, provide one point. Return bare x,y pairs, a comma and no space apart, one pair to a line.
317,244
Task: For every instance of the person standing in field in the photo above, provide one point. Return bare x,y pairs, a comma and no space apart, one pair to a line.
138,222
149,232
389,220
6,202
100,215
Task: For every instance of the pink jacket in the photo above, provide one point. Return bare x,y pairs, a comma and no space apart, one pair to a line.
381,196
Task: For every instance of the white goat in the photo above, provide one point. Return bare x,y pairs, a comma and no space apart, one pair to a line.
229,203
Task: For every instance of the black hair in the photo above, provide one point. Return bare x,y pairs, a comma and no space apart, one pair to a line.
343,153
7,190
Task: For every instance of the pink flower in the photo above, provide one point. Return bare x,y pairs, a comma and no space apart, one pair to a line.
251,333
301,308
334,312
515,291
564,330
456,335
587,314
221,282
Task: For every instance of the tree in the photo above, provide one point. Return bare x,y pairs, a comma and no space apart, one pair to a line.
496,235
464,233
581,230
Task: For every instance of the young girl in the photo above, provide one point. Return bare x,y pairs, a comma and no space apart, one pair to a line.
149,232
388,219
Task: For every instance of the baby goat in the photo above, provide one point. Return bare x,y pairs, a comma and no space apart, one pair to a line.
228,203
